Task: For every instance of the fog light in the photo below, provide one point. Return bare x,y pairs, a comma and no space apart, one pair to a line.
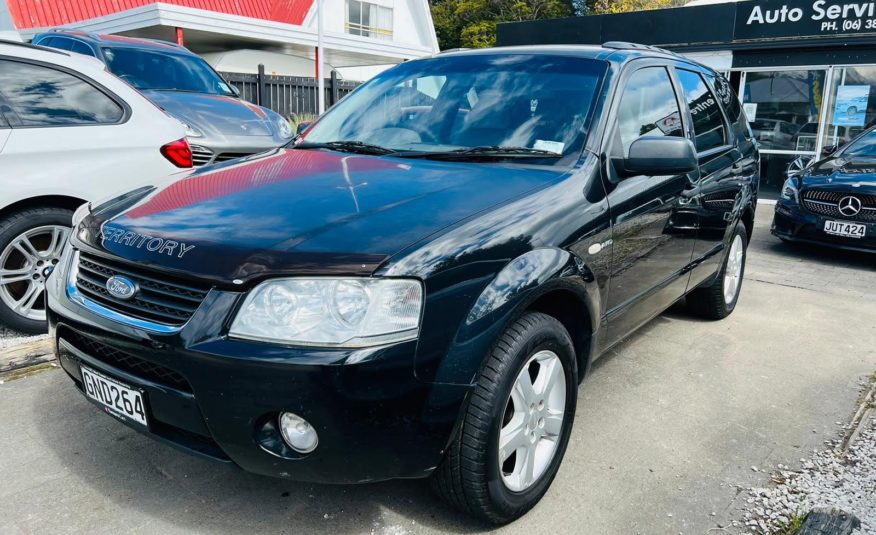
298,433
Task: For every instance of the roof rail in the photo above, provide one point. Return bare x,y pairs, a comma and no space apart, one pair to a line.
449,50
160,41
33,47
624,45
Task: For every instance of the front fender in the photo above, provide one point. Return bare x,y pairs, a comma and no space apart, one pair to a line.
517,285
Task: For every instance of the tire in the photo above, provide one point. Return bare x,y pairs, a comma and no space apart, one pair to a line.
710,301
471,476
22,276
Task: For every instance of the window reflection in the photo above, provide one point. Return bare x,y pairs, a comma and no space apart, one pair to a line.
41,96
852,105
783,108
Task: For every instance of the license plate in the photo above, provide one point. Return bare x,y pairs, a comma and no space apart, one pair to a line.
847,230
118,399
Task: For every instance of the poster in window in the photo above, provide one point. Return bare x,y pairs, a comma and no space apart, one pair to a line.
750,110
851,105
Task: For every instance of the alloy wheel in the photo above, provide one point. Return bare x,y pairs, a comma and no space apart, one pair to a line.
533,421
25,264
733,271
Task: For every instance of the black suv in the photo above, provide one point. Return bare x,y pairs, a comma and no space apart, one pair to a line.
416,286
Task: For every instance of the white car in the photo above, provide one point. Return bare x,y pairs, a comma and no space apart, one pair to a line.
70,133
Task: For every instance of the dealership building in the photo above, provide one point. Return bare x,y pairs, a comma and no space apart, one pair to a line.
805,69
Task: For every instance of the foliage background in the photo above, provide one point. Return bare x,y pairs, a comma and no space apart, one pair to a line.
472,23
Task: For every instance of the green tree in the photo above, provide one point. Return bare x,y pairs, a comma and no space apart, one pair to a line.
472,23
623,6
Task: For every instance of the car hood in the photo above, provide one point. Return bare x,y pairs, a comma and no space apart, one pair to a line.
292,211
842,174
214,115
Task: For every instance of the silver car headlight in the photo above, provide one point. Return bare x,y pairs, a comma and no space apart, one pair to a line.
284,128
191,131
331,312
789,191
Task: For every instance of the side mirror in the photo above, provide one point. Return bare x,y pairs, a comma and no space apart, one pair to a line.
659,155
302,126
234,90
828,150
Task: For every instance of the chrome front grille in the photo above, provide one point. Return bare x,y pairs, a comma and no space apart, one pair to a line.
225,156
826,203
160,299
201,155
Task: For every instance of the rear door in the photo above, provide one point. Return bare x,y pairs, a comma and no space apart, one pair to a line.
653,227
724,169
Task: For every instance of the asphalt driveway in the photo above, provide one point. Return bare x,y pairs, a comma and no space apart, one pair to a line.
669,429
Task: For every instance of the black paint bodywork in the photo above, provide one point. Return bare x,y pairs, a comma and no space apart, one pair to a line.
489,240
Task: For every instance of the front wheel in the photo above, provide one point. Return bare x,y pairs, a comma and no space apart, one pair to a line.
718,300
516,424
31,242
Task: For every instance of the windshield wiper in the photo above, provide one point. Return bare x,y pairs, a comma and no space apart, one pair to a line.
487,151
347,146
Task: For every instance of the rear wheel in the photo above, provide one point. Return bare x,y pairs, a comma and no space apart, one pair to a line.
516,424
718,300
31,242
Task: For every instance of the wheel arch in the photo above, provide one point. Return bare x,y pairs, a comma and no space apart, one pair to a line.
66,202
547,280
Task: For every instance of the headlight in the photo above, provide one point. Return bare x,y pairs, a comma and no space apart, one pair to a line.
329,312
284,128
789,191
191,131
80,214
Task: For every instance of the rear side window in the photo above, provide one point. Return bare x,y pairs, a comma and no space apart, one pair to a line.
647,108
43,96
81,48
708,122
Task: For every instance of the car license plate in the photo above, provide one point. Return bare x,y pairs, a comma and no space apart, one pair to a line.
120,400
847,230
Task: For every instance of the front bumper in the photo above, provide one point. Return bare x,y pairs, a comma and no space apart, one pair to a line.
219,398
793,223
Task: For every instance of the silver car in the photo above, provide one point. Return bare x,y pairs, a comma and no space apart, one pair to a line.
219,125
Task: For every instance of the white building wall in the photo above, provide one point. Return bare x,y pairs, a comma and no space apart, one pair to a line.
411,20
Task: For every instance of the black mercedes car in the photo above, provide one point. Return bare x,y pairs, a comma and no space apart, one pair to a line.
416,286
832,201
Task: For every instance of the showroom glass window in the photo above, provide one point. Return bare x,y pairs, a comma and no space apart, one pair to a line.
708,121
42,96
783,107
851,108
647,108
369,19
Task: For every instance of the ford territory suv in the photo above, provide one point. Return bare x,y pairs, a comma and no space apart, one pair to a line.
416,286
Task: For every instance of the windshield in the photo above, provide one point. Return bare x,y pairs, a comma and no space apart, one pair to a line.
864,146
538,104
149,69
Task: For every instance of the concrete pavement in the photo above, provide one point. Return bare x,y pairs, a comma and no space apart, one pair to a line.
669,426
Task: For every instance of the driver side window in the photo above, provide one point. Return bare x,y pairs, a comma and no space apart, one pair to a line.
648,107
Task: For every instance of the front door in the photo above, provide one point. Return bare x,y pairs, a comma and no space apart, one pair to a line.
654,222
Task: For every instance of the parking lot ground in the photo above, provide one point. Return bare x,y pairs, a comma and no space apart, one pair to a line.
670,425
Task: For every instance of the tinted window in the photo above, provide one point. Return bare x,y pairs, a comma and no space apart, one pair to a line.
147,69
62,43
647,108
81,48
42,96
708,122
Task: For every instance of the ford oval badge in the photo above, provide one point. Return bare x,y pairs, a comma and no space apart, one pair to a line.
121,287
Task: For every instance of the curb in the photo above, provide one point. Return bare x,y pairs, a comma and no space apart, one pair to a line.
26,355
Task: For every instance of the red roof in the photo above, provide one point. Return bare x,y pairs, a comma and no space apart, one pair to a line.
47,13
